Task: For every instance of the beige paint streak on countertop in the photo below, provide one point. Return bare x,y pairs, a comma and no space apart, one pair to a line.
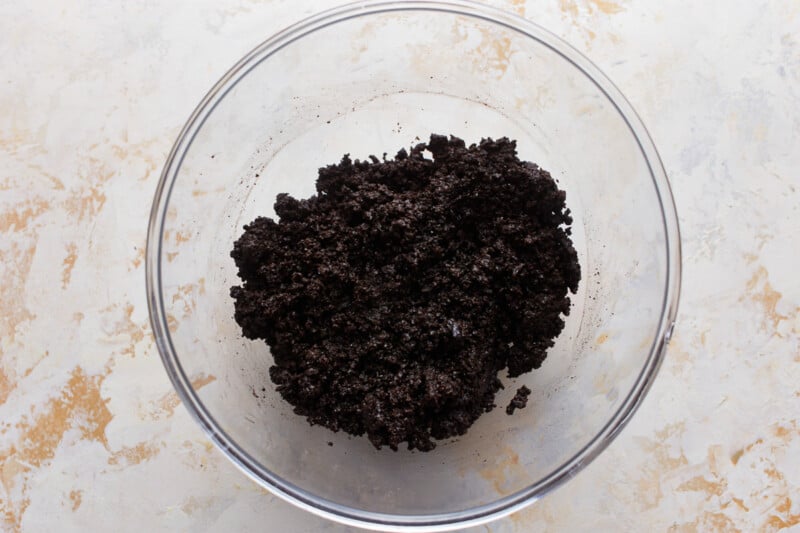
165,406
605,7
69,264
79,407
519,6
17,219
75,498
503,467
91,100
134,455
760,291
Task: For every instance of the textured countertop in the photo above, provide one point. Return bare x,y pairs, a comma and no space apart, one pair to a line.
92,437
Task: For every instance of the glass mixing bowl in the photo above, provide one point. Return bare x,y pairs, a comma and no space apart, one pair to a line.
371,78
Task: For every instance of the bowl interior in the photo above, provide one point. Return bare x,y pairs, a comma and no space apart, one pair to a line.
372,82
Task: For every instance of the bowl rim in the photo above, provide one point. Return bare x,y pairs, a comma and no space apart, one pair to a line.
330,509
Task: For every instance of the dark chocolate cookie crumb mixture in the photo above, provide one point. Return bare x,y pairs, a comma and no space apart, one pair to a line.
519,401
393,297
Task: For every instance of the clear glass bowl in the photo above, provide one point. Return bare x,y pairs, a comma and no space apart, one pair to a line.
372,78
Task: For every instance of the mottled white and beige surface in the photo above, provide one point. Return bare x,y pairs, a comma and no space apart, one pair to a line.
92,94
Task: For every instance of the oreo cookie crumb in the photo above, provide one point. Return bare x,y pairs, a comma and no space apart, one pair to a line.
393,297
519,401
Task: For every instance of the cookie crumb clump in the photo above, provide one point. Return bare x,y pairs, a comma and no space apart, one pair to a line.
393,297
519,401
